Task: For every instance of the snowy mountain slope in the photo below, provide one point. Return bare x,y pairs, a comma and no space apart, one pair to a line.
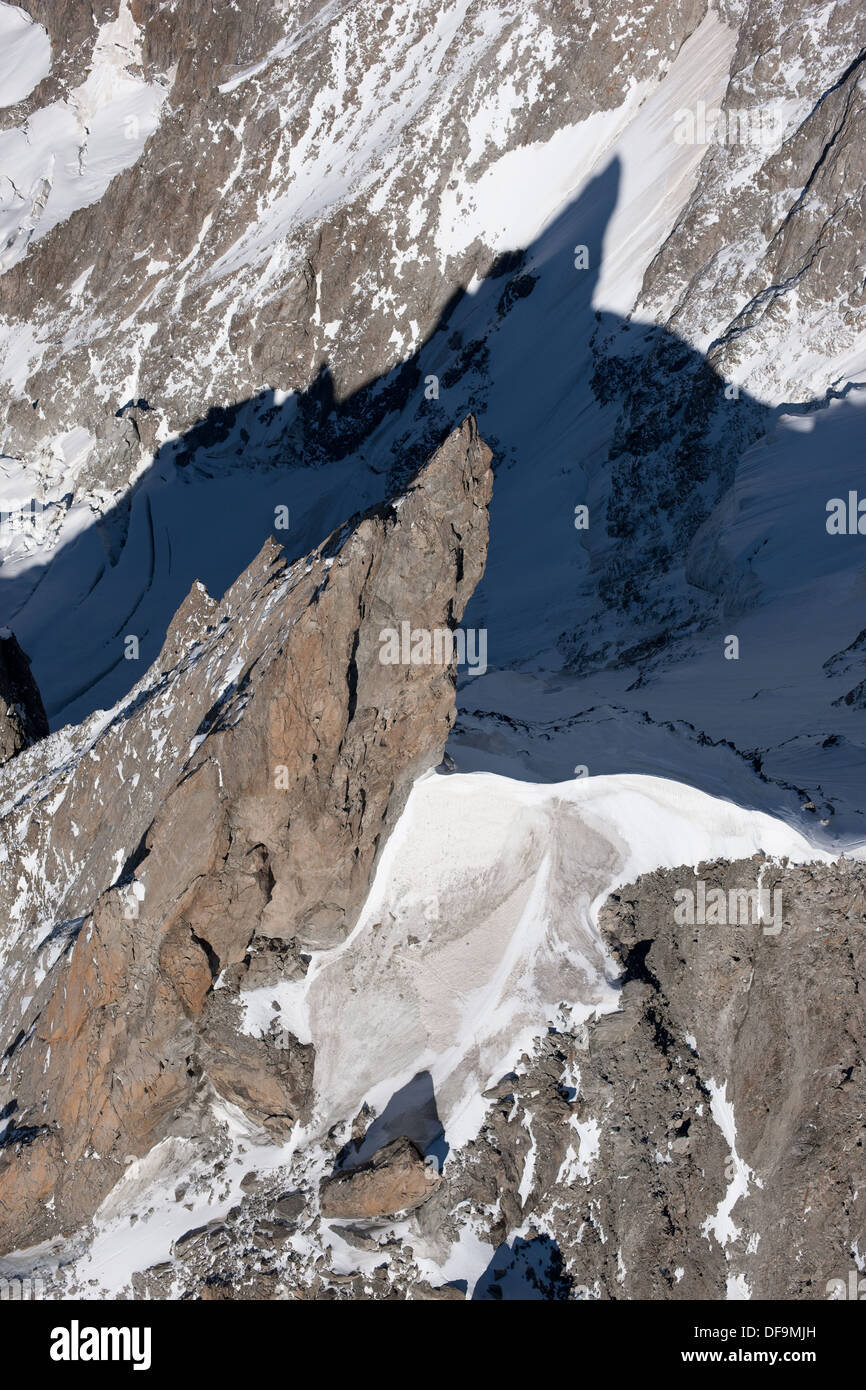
480,931
626,620
478,942
777,723
259,263
26,56
154,861
65,155
482,920
295,148
745,298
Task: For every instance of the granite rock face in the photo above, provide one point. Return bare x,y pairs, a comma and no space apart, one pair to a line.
257,286
274,277
708,1136
243,117
223,823
263,258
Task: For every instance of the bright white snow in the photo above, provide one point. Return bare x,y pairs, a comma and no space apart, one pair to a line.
481,924
66,154
25,54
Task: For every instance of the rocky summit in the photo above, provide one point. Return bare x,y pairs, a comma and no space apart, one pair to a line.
415,885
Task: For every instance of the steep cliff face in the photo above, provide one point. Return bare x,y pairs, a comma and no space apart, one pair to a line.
274,256
288,149
209,834
706,1139
313,1020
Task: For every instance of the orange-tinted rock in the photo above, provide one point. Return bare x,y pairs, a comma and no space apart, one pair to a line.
395,1179
242,798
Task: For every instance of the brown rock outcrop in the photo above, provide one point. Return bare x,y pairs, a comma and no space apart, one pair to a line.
282,751
395,1179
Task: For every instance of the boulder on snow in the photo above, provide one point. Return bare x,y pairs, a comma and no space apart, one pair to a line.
395,1179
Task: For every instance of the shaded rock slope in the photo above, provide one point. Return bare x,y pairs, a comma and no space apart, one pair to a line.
264,257
22,714
215,828
705,1140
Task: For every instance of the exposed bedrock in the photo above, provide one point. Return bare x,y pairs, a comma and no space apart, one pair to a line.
274,797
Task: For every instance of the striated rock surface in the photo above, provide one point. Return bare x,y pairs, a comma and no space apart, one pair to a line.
310,131
231,811
320,235
707,1138
259,260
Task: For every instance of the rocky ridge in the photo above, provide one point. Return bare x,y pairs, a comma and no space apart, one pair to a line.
703,1141
326,248
211,833
279,327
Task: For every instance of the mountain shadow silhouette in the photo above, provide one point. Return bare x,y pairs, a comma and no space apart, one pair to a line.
583,408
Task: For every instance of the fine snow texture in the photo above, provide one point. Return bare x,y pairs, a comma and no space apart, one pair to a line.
25,54
481,924
574,678
65,155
